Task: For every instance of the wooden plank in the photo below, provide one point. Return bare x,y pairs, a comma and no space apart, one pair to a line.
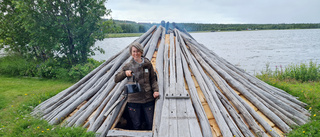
163,127
183,119
173,122
194,126
208,111
215,127
235,116
160,71
279,131
196,103
209,97
128,133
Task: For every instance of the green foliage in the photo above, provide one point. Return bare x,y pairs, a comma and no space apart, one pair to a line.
116,35
308,92
79,71
133,27
302,72
301,81
62,30
15,65
13,37
21,95
239,27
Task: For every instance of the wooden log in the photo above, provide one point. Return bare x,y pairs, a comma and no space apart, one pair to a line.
103,130
64,93
163,125
225,130
271,99
95,104
237,118
94,116
154,42
146,35
249,77
88,85
187,121
68,97
278,111
182,118
71,120
250,97
48,111
234,97
205,126
233,128
100,116
279,123
58,118
283,110
173,122
160,70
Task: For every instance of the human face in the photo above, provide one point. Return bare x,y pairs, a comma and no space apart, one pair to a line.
136,54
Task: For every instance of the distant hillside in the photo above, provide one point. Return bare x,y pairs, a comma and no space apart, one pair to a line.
134,27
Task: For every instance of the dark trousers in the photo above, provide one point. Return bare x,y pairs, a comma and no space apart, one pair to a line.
135,111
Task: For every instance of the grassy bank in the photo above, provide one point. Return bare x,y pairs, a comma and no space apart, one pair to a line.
16,65
308,92
18,97
301,81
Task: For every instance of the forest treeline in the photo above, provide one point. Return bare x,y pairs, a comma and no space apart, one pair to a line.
134,27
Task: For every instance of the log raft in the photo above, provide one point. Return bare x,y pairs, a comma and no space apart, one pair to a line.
201,94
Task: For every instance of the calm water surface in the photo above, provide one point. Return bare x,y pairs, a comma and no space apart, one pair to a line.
249,50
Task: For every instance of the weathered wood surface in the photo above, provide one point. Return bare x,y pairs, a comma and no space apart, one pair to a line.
237,101
127,133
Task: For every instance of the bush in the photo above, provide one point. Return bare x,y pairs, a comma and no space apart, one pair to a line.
15,65
79,71
48,69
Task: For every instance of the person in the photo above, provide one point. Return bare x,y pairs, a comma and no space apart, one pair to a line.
143,101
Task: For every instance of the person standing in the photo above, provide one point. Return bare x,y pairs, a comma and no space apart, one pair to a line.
144,74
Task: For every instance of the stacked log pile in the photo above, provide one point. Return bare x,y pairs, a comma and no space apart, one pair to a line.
201,94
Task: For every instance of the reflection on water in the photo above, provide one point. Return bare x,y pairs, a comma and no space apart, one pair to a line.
249,50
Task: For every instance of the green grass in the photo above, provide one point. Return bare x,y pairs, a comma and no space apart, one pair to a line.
117,35
18,97
302,72
301,81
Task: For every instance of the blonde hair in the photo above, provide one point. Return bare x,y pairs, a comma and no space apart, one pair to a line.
137,46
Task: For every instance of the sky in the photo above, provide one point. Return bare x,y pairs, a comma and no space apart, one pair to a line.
216,11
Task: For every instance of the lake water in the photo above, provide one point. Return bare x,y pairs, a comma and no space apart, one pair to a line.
249,50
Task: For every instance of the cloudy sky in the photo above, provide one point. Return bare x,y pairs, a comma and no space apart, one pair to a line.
216,11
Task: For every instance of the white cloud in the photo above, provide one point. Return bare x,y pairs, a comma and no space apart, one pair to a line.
209,11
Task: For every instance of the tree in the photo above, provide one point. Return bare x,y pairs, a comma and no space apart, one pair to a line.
63,29
13,37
